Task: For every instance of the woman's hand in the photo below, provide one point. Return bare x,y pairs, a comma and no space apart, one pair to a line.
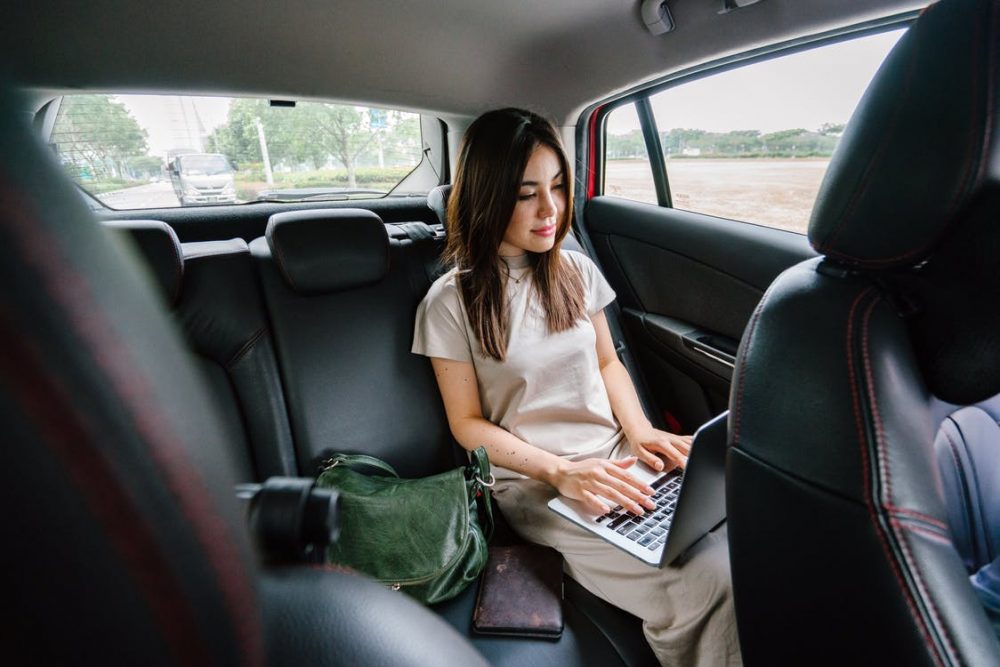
594,481
649,443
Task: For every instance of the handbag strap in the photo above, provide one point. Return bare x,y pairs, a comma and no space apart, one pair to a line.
356,460
482,481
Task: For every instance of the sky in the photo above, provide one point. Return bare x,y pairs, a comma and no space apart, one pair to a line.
804,90
161,116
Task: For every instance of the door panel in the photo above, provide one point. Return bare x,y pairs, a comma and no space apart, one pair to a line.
687,284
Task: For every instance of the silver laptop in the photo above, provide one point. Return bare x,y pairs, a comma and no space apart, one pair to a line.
688,504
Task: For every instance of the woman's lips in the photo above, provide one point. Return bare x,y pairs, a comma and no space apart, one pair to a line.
545,231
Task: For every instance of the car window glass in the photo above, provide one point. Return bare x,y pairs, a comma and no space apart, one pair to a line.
151,151
753,143
627,172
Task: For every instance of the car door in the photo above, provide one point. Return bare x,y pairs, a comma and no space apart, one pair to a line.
696,194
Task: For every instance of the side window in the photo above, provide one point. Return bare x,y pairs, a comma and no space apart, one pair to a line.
627,171
753,143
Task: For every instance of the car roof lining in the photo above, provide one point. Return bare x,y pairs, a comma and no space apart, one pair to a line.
450,58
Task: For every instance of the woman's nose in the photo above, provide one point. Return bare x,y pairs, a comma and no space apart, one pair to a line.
546,205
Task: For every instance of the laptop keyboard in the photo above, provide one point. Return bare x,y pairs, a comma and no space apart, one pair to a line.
650,529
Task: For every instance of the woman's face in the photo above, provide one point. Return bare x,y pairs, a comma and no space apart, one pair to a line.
541,203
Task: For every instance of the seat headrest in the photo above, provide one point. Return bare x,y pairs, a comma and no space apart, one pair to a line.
329,250
437,201
161,249
913,194
922,147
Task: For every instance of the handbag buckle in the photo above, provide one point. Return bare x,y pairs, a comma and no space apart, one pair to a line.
488,484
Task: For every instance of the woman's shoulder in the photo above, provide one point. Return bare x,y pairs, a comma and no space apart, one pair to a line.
444,291
583,264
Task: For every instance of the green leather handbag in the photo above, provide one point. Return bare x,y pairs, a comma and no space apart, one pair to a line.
422,536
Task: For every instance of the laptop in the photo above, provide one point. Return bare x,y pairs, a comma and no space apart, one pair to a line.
689,503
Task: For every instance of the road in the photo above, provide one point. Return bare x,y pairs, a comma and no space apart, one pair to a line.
153,195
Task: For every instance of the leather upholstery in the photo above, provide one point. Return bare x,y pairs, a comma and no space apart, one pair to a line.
328,250
967,446
840,541
351,382
938,84
127,543
159,245
124,540
221,314
437,201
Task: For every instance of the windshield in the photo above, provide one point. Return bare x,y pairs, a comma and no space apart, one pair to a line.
204,165
153,151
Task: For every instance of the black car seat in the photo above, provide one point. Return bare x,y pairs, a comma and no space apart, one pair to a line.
123,540
839,538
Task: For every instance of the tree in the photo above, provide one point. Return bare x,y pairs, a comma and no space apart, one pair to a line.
95,132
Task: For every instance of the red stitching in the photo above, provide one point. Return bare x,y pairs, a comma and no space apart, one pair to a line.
926,532
62,428
883,469
73,294
916,515
855,396
751,328
923,590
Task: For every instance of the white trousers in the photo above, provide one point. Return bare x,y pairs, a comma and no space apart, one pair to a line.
687,609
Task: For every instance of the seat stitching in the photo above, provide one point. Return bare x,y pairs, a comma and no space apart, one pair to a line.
926,532
916,515
741,377
868,489
72,292
922,587
246,347
883,467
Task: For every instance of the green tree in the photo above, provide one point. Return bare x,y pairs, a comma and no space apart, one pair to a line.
99,134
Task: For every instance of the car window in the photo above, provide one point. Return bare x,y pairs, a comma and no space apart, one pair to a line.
751,143
151,151
627,171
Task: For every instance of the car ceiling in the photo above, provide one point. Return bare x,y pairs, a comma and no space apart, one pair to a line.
453,58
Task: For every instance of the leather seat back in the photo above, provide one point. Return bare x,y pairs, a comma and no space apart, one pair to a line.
840,541
124,538
212,292
342,295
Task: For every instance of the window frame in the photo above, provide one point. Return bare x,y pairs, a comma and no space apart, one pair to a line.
592,126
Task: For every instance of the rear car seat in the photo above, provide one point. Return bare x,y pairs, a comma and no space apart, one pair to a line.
211,290
342,293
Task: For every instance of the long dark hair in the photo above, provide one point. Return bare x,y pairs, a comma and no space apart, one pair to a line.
491,164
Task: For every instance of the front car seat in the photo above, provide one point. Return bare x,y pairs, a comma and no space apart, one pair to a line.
123,542
841,551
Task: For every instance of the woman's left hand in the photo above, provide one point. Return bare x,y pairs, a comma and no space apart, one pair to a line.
650,443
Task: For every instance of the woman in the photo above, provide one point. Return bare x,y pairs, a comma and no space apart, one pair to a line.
526,367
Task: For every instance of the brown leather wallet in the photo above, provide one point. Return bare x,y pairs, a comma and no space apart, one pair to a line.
521,593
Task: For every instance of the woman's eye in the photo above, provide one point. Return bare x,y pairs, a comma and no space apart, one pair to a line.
559,186
525,197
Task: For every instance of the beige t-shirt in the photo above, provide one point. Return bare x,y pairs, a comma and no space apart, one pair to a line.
549,392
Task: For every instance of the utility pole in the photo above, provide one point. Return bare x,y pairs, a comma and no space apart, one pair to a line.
263,152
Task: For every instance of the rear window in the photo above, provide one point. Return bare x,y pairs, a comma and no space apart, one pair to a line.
155,151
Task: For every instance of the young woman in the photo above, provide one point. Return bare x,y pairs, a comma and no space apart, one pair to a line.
526,367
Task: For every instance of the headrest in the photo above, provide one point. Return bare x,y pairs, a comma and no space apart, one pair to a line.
437,201
914,192
158,244
329,250
921,148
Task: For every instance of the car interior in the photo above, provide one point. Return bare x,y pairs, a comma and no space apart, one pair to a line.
159,356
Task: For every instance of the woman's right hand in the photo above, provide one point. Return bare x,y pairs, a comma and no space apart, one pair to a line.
595,481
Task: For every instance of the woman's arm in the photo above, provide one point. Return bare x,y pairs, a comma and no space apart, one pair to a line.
589,480
644,440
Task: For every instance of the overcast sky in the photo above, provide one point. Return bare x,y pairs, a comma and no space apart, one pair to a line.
803,90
